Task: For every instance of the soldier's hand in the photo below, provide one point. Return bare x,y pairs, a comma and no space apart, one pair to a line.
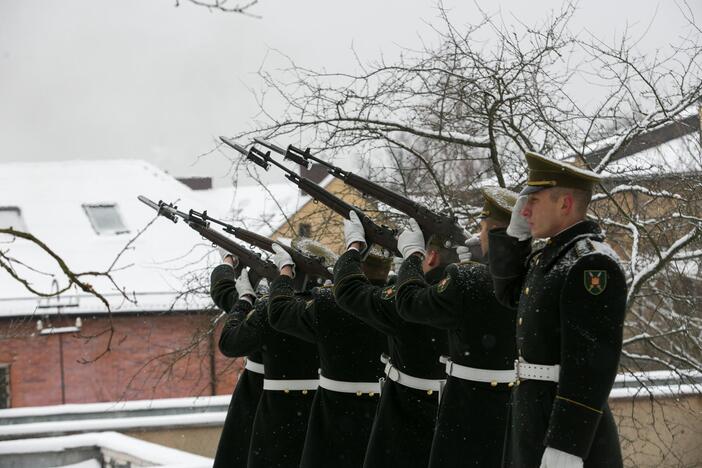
554,458
283,259
411,240
244,288
465,251
227,257
353,230
518,225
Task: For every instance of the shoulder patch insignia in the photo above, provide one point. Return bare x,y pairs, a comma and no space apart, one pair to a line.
388,293
443,284
595,281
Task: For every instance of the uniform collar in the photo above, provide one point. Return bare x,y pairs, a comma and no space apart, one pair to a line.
559,244
434,276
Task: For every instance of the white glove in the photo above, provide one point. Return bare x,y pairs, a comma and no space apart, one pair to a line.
353,230
224,254
554,458
518,225
464,251
281,258
244,288
411,240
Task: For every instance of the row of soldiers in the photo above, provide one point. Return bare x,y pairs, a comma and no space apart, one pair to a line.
507,361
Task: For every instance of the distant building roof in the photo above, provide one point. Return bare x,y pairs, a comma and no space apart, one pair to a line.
87,211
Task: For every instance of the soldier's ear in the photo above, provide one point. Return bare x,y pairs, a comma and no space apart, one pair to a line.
568,202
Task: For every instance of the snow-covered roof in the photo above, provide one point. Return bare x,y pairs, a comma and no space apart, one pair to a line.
164,260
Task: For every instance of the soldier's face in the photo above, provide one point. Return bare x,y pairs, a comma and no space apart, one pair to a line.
544,214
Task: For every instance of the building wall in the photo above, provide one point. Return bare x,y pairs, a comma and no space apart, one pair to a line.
149,356
327,226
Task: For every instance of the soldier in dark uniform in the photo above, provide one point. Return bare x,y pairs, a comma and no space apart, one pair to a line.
473,413
233,447
345,403
290,379
404,422
570,297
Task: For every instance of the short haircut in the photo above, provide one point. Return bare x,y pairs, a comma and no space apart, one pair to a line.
446,255
581,197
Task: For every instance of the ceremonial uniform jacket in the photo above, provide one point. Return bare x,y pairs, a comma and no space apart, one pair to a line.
233,447
473,415
280,420
570,298
340,423
404,423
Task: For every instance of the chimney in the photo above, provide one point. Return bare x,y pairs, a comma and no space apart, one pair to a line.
316,173
196,183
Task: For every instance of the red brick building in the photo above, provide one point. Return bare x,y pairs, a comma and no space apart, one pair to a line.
160,339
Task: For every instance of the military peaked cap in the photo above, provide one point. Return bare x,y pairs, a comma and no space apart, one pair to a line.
498,203
546,173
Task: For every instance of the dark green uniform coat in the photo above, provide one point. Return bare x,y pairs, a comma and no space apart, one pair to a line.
233,447
280,421
349,350
473,415
570,298
404,423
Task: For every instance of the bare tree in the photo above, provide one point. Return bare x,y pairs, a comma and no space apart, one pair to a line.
447,118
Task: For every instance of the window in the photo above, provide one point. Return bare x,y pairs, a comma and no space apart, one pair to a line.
11,216
4,386
105,219
304,230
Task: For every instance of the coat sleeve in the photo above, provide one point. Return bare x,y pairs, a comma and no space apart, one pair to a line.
243,330
592,309
508,266
222,287
440,305
355,294
291,314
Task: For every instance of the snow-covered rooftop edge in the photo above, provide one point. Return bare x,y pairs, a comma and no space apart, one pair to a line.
144,451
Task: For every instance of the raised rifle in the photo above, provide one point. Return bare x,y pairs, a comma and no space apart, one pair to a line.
311,266
258,267
429,221
383,236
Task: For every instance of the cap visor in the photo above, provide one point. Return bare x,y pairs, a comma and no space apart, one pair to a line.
529,189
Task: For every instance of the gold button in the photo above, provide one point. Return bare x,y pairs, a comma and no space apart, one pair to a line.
526,291
286,390
371,394
359,393
493,384
520,320
304,392
510,385
517,382
430,392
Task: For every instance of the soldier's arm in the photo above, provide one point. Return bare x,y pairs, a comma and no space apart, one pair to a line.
222,287
356,295
508,266
440,305
243,330
291,314
592,308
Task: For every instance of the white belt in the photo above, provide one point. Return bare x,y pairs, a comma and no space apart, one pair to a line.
396,375
254,366
291,385
536,371
474,374
358,388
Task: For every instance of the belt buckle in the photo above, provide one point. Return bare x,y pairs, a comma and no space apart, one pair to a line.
393,372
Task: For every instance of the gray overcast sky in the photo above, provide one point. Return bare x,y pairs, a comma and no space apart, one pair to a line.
92,79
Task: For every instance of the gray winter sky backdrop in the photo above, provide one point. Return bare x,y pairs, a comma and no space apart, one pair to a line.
96,79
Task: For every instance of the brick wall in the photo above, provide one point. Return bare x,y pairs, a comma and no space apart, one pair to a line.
151,356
